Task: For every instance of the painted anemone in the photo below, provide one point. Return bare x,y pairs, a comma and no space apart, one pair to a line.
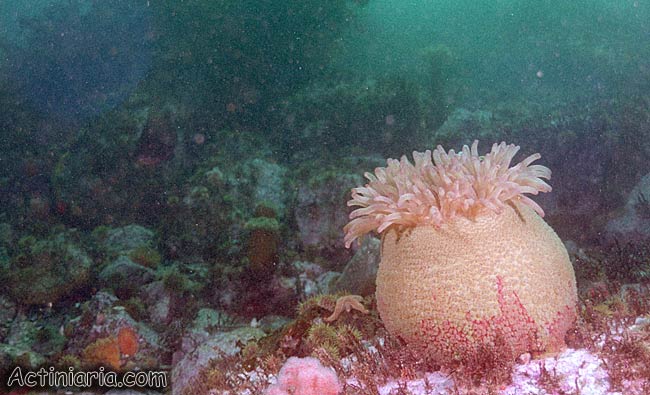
468,265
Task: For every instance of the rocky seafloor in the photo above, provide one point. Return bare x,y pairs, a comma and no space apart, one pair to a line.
204,255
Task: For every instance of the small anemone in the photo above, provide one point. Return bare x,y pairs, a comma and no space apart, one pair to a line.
442,185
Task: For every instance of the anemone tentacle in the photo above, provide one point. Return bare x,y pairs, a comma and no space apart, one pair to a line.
439,186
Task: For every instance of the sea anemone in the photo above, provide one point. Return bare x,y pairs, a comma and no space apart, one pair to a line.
469,270
453,184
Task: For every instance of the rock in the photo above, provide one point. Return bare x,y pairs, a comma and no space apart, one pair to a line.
41,336
321,213
633,224
6,234
359,275
207,320
633,292
269,184
308,278
103,317
10,356
128,238
45,270
158,302
326,281
199,347
270,323
461,121
432,383
271,297
576,370
7,315
125,277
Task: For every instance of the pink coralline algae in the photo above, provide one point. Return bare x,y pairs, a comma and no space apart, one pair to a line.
305,376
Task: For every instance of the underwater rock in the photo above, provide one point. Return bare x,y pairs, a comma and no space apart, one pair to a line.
207,217
633,224
7,314
311,278
43,271
320,214
269,183
576,370
463,122
10,356
208,320
158,301
127,238
120,169
39,335
104,319
269,297
29,342
583,177
432,383
125,277
359,275
325,283
202,344
203,221
157,142
185,277
22,332
6,234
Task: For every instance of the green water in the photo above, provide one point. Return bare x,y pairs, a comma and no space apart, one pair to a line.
504,47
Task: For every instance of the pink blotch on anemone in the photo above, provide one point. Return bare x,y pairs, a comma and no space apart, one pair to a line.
442,185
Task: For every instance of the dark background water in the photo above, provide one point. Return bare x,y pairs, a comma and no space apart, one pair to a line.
75,59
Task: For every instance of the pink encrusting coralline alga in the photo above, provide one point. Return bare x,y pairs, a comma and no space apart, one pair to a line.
305,376
441,186
468,266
